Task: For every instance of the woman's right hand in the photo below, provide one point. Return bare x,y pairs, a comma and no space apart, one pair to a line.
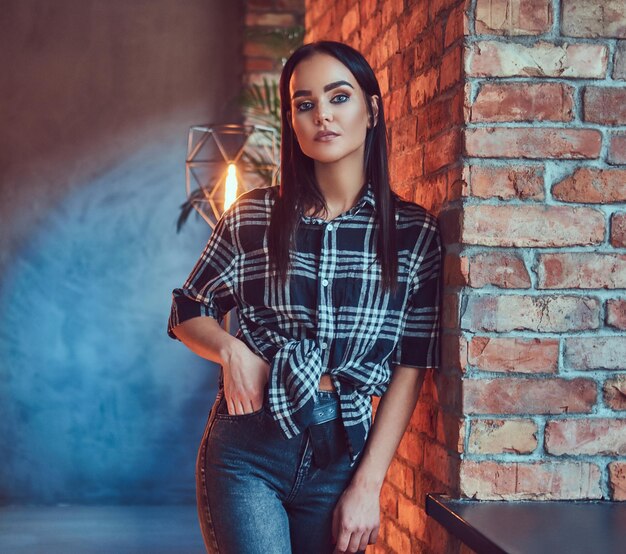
245,377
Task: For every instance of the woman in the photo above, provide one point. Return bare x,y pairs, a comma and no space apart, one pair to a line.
336,281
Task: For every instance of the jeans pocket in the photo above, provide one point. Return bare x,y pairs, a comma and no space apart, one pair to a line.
222,412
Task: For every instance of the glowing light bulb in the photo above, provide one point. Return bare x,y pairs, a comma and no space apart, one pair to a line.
230,192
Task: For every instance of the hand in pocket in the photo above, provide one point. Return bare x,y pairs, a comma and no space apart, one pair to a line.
245,377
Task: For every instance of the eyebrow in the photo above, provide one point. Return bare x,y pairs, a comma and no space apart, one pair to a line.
328,87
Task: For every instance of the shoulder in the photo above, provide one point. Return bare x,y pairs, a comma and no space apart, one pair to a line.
255,202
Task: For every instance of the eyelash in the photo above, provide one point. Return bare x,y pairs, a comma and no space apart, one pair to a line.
299,106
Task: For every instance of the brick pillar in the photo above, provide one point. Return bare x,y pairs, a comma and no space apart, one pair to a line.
508,119
542,258
260,60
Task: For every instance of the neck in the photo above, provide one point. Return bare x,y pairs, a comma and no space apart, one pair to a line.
340,182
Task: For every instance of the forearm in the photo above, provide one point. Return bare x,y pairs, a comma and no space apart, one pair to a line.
394,412
205,337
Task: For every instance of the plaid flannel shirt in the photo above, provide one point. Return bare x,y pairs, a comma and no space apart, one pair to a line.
332,317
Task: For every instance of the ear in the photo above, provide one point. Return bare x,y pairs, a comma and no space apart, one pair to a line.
374,103
289,118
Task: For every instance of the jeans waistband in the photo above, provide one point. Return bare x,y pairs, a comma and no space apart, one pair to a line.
327,407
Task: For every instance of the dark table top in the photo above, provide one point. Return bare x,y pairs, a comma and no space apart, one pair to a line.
550,527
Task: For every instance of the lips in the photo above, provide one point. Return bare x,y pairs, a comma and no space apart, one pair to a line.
324,136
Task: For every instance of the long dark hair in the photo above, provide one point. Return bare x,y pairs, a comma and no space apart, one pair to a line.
299,189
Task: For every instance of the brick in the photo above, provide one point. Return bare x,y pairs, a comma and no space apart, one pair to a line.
389,500
424,419
269,19
505,313
591,436
440,463
401,476
438,116
455,270
617,149
533,226
614,392
618,229
605,105
397,539
397,107
592,185
451,68
255,49
429,48
528,396
581,270
411,449
607,352
407,164
617,480
619,63
500,269
435,7
413,22
391,10
593,18
442,151
423,87
532,142
530,480
259,64
370,30
504,354
455,26
616,313
450,431
403,133
410,515
499,436
513,17
516,181
542,59
350,22
523,102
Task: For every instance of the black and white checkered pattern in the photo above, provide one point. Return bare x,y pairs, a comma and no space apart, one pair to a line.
332,317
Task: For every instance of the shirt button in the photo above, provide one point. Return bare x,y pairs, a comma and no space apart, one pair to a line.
323,345
329,226
325,283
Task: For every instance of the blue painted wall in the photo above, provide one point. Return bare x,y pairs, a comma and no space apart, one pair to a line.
97,404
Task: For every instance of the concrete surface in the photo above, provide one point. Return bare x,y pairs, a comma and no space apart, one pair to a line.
97,404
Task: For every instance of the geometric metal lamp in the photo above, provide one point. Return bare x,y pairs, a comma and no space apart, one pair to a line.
226,160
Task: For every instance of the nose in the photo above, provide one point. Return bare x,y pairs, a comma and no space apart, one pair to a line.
323,114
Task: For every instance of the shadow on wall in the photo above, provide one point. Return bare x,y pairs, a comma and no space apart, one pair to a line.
97,404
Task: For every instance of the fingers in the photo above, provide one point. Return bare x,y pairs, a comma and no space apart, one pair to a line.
238,407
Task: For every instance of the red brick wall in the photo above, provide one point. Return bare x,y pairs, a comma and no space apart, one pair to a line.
543,265
508,119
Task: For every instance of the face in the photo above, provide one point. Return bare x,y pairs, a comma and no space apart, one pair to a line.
326,97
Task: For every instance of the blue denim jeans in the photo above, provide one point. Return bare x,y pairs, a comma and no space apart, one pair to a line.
258,492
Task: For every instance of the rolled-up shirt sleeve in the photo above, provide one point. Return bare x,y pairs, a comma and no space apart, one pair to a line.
209,289
419,343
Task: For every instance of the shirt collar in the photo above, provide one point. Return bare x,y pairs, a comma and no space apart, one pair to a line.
366,196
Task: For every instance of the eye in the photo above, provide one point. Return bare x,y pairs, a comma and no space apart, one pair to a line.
302,107
306,105
344,95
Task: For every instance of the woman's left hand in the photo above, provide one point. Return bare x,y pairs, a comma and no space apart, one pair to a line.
356,519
